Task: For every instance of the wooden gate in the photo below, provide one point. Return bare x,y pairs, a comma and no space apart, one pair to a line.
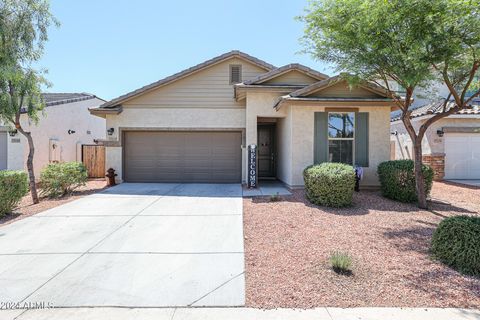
93,157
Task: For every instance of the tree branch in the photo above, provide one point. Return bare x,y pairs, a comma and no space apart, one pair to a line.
471,76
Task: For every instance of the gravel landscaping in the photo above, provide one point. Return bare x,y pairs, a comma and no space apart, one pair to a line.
288,244
26,208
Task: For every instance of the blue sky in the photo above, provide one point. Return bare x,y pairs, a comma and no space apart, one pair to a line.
111,47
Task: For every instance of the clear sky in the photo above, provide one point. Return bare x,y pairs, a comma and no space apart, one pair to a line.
111,47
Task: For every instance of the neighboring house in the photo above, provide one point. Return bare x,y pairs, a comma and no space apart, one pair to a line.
64,125
451,145
196,125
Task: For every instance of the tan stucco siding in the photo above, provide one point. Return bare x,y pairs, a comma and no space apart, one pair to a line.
343,90
432,144
207,88
284,147
292,77
303,141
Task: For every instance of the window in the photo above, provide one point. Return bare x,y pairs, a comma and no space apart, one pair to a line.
341,137
235,73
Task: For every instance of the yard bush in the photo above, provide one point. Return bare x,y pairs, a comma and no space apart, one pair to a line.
341,262
330,184
456,242
59,179
397,180
13,186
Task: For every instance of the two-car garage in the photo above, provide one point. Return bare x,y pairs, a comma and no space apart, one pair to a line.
182,156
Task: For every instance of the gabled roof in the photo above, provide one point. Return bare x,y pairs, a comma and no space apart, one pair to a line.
303,94
287,68
182,74
437,107
321,85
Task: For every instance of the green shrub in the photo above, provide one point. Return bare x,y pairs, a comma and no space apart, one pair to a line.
341,262
13,186
456,242
59,179
329,184
397,180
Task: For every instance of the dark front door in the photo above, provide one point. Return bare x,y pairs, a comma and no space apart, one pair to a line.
266,151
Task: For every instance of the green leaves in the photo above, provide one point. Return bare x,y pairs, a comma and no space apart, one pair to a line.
23,32
399,39
397,180
13,187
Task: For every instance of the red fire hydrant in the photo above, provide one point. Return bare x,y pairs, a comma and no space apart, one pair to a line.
111,177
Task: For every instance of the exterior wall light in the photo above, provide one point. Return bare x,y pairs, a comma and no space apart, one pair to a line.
71,131
440,133
394,133
13,133
110,131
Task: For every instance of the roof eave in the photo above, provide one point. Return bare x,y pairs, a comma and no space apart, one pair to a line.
102,112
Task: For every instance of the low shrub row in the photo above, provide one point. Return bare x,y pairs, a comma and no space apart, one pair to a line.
59,179
56,180
13,187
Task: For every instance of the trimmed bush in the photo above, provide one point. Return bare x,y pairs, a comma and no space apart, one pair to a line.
59,179
329,184
397,180
456,242
13,186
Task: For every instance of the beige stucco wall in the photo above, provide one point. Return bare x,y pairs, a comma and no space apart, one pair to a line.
54,123
201,101
432,144
303,141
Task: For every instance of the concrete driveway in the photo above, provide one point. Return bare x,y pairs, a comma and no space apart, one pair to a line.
142,245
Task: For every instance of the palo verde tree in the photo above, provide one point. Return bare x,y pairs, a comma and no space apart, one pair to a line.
410,42
23,32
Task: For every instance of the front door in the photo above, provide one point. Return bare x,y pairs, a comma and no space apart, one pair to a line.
266,151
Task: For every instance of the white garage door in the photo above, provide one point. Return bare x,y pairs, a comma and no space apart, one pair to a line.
462,156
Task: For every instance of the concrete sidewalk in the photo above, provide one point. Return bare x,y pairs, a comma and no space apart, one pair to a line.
241,313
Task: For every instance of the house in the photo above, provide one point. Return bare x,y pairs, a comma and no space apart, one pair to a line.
451,146
196,125
64,126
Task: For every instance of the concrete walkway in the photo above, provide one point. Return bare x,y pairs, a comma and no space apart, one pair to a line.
134,245
241,313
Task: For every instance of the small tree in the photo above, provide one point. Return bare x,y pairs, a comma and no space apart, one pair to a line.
23,32
410,42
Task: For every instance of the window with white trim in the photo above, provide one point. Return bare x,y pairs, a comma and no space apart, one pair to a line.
341,137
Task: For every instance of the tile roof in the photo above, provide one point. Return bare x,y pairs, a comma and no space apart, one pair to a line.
235,53
437,107
289,67
55,99
52,99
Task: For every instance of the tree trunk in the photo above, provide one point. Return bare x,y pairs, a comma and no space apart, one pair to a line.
419,179
31,173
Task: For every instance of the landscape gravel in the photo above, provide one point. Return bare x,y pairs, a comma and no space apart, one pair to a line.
288,244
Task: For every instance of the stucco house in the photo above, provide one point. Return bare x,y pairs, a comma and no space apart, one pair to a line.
196,125
64,126
451,145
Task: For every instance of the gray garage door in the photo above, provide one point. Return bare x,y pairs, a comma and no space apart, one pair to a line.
182,156
3,150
